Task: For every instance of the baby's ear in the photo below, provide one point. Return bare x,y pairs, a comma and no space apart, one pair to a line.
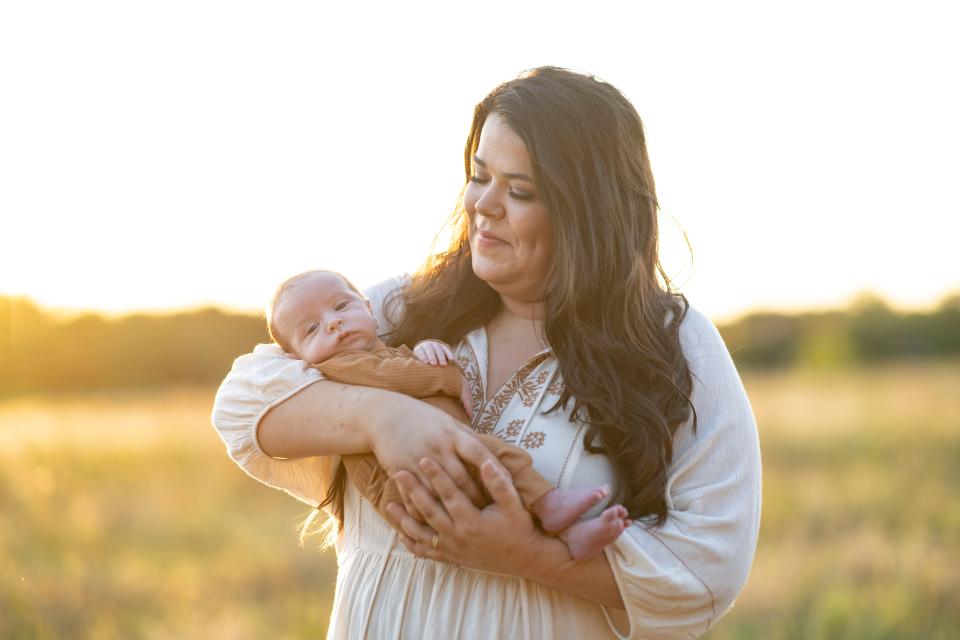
369,305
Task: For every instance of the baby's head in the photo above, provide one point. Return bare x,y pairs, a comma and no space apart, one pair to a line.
318,314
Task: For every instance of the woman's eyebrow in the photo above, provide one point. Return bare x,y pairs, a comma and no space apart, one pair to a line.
513,176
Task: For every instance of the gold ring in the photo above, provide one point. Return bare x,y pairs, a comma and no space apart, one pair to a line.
435,542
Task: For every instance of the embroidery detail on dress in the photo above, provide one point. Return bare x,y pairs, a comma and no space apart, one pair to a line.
519,384
556,387
529,389
513,429
573,443
468,366
486,428
533,440
359,519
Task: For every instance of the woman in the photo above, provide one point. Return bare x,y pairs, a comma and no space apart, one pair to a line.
576,352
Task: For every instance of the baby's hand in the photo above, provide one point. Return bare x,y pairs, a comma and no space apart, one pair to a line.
433,352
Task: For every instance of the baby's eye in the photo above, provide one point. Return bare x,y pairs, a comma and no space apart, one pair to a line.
341,305
312,328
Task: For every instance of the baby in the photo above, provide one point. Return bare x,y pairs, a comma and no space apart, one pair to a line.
321,318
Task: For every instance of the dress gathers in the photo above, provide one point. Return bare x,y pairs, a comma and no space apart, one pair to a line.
676,580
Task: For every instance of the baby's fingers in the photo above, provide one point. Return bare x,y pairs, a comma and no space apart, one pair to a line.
424,352
447,353
438,355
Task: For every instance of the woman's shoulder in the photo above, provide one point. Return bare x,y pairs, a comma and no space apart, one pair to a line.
698,334
710,361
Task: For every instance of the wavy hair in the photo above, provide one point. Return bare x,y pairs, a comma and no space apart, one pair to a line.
611,316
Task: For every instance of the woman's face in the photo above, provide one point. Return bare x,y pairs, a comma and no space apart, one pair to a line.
511,237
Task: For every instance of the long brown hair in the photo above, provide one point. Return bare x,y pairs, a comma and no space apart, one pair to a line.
611,317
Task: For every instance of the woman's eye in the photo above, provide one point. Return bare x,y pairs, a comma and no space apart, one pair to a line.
478,180
520,195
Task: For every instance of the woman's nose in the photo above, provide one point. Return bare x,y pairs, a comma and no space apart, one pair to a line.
489,204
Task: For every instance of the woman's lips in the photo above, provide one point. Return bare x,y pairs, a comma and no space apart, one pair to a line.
489,240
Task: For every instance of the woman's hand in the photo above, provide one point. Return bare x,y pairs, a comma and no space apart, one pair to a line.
330,418
500,538
407,430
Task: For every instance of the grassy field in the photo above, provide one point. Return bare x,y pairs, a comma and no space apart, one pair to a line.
121,517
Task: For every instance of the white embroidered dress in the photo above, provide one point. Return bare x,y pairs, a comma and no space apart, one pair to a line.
676,580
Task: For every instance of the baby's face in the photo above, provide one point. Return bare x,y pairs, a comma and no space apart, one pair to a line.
322,316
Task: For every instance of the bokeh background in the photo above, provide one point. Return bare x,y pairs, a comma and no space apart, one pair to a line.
165,165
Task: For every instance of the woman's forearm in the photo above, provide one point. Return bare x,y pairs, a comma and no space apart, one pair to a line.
328,418
590,579
325,418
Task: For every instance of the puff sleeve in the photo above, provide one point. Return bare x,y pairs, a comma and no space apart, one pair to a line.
257,382
678,579
260,380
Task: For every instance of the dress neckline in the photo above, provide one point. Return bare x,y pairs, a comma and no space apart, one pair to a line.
480,345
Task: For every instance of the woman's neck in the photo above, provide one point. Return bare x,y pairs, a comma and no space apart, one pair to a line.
520,323
522,310
514,335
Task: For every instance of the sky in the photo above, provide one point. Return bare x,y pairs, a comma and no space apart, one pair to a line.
159,156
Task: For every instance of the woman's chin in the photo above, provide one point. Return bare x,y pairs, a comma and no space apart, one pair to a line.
491,273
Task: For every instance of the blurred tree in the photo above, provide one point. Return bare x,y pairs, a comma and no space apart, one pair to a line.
824,343
40,352
91,352
763,339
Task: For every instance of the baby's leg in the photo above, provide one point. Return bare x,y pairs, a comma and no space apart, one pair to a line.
372,481
452,406
588,538
555,509
558,509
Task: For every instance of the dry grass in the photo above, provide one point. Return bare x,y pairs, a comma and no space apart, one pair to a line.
121,517
861,519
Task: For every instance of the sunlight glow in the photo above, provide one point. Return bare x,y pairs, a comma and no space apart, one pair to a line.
169,155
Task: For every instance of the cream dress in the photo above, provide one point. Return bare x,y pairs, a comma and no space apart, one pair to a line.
676,580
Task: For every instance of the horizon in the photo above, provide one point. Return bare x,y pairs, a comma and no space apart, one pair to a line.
68,314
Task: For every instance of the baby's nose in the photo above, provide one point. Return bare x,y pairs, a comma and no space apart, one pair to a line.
334,324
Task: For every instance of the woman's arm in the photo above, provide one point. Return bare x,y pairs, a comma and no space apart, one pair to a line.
321,420
328,418
286,426
500,538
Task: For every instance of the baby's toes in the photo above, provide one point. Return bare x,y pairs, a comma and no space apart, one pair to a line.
619,511
611,514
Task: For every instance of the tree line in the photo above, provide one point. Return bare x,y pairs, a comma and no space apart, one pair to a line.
41,352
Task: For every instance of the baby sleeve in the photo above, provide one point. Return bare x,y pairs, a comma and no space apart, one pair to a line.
676,580
399,370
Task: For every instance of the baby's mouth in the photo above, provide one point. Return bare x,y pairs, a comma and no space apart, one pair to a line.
346,335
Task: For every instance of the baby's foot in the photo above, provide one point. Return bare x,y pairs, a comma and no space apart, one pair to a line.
558,510
588,538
